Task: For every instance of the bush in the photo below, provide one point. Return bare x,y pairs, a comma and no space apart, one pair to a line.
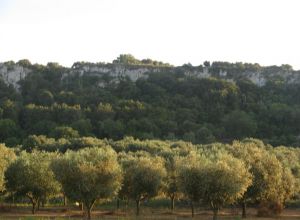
263,210
269,209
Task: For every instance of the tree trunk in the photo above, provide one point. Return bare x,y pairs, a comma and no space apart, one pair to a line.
215,216
13,199
137,207
244,214
172,203
118,203
192,207
33,207
126,205
89,207
65,200
89,210
33,202
39,205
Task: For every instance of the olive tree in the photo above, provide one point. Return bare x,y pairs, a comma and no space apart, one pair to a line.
290,159
271,182
7,156
290,180
88,175
190,176
143,178
171,187
30,175
226,179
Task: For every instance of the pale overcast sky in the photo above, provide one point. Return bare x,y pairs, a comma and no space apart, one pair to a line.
174,31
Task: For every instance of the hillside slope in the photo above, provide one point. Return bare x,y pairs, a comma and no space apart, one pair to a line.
149,99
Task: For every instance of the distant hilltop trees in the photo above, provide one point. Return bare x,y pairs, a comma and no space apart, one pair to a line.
128,59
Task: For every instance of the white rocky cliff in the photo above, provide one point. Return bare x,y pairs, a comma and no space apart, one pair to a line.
11,74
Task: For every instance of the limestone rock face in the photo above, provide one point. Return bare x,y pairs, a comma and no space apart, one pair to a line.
11,74
115,71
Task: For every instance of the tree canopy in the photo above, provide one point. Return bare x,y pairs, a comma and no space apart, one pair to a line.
88,175
30,175
7,156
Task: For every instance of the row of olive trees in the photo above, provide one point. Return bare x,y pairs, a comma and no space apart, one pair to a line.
215,175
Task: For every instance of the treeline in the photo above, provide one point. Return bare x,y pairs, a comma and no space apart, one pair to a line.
243,173
168,106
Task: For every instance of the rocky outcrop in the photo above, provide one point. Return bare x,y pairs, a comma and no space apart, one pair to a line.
11,74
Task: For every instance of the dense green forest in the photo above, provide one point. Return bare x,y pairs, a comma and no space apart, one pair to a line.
167,106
